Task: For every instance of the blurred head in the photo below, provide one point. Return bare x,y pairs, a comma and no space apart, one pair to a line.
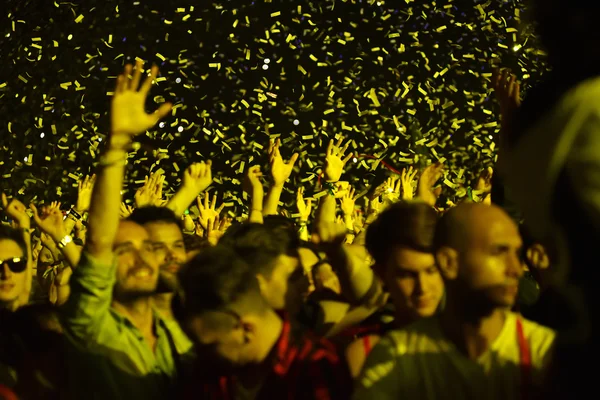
401,243
478,250
272,253
137,266
221,309
167,239
13,259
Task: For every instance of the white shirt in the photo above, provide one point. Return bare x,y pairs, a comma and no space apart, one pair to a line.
420,363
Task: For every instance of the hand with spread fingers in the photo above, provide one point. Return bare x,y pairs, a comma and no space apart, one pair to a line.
347,203
50,221
151,193
128,114
207,210
84,196
335,161
125,211
304,205
215,230
408,182
280,170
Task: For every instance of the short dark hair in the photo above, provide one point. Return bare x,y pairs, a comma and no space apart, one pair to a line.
213,281
405,224
260,245
146,215
16,235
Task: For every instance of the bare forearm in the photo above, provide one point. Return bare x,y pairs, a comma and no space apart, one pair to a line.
272,200
327,207
181,200
106,202
256,207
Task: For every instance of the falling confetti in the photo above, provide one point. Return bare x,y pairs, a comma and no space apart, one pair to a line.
406,81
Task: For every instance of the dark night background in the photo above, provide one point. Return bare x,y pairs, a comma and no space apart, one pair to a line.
428,64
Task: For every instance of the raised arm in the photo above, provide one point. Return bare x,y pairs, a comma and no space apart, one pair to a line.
257,194
196,179
85,314
280,171
128,120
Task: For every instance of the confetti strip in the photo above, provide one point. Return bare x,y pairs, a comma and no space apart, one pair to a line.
408,82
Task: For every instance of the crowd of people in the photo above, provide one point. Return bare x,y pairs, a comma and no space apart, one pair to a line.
399,297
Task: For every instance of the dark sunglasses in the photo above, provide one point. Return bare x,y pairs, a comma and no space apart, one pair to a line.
16,264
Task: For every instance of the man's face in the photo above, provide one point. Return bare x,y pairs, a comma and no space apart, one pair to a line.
490,264
137,267
169,249
285,288
221,341
414,282
12,284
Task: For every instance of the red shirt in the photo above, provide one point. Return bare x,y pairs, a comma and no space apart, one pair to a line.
304,367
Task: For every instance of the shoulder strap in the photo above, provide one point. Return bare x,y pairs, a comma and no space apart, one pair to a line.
525,358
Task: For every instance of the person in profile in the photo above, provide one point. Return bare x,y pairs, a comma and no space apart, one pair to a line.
476,347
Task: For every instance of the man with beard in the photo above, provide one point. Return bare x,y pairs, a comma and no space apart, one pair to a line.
246,349
476,347
118,346
169,248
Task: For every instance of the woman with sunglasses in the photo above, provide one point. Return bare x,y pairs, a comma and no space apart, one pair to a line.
13,266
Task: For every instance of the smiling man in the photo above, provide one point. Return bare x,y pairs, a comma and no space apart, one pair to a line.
167,240
476,347
119,347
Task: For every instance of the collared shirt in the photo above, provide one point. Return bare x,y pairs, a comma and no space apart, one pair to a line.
304,367
108,356
419,362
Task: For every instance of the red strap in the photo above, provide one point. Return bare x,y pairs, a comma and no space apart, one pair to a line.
525,355
367,345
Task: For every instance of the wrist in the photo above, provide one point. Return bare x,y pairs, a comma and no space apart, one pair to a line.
277,185
58,237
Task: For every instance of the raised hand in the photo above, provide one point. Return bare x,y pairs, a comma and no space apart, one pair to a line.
17,211
427,180
484,181
507,90
280,170
334,163
347,203
128,114
215,230
407,179
207,210
84,197
393,185
151,193
198,177
50,222
125,211
253,183
508,93
304,206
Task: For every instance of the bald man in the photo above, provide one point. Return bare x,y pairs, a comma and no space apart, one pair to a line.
476,348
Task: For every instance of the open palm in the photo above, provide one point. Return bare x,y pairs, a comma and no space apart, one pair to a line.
128,115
